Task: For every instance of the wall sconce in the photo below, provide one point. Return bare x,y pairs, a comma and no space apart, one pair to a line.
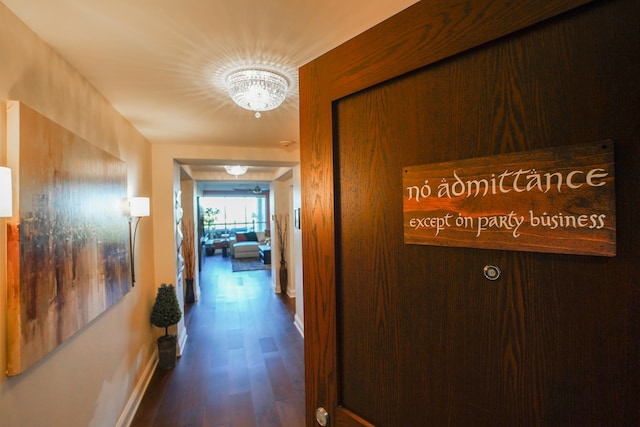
138,207
6,193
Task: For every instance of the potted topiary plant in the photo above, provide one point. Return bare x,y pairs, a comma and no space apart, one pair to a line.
166,312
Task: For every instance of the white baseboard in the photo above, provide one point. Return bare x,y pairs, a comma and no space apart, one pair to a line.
182,342
299,324
131,407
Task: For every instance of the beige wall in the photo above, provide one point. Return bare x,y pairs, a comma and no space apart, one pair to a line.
89,379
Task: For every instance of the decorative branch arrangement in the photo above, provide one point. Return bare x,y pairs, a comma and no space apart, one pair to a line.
282,223
188,249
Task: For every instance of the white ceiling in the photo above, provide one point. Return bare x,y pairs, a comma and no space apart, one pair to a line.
161,63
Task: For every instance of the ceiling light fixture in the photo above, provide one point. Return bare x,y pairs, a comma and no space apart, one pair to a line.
236,170
257,89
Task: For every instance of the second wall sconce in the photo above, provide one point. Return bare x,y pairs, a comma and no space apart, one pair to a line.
6,193
138,208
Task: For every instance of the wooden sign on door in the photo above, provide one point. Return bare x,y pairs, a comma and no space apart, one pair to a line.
556,200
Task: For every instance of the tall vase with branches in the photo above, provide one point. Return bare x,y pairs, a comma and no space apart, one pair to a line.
188,254
282,225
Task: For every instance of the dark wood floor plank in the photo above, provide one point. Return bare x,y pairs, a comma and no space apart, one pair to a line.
264,403
268,345
243,365
279,377
290,413
218,409
242,412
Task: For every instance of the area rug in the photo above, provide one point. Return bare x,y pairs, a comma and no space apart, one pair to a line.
248,264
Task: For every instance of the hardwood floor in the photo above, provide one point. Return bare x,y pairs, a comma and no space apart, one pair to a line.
243,364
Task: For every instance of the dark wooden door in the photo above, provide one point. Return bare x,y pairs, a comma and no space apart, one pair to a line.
407,335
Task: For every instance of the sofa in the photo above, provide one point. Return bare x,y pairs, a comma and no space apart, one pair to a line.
245,245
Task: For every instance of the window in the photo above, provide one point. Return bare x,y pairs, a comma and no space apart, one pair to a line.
228,214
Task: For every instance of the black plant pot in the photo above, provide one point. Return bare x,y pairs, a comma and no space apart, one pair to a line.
190,296
283,278
167,351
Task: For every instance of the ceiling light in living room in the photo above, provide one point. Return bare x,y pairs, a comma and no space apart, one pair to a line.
257,89
236,170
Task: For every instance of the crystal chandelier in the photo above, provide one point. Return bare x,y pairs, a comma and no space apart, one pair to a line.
257,90
236,170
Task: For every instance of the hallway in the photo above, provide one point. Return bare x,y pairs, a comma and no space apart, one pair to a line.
243,364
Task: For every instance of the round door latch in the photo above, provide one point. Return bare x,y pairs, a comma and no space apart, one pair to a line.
491,272
322,417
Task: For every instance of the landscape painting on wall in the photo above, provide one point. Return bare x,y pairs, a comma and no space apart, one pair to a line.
67,255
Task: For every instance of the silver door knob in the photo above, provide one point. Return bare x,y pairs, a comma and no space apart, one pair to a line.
322,417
